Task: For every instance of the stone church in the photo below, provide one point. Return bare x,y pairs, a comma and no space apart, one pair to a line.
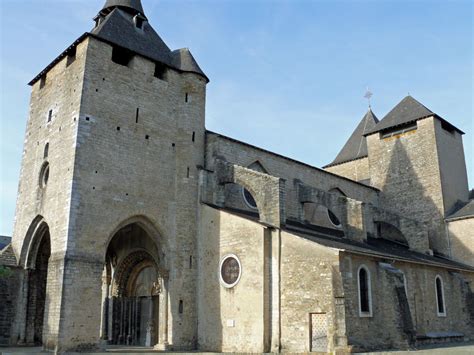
137,226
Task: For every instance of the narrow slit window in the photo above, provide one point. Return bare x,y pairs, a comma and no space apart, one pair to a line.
180,307
441,308
46,151
186,97
364,288
50,115
194,136
187,172
71,56
43,81
137,114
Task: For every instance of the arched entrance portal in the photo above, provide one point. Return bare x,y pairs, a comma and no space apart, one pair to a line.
135,297
38,257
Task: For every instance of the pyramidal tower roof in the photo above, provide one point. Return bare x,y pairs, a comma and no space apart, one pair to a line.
117,24
406,111
356,145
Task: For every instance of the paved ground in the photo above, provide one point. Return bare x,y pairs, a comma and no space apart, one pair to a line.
448,349
439,349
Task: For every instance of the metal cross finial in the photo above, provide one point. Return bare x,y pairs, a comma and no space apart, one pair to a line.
368,95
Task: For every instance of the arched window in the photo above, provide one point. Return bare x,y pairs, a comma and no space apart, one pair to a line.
44,175
46,151
248,198
364,290
333,218
441,307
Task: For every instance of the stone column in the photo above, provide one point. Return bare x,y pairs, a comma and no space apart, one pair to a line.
104,321
275,289
163,318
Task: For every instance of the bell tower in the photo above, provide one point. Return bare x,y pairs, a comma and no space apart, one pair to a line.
416,159
114,138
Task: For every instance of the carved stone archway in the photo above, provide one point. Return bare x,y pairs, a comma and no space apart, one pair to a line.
35,257
135,297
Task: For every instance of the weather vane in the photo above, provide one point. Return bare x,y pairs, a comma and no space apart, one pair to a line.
368,95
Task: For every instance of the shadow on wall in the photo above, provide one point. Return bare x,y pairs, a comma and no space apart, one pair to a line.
404,193
461,238
210,320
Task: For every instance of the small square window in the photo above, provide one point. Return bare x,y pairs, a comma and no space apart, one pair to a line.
121,56
160,71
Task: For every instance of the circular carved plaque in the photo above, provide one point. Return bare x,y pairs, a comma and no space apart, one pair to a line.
230,271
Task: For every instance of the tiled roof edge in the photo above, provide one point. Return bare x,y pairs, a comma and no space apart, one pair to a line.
345,161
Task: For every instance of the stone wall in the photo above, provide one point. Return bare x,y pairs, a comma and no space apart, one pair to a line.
387,327
244,155
139,141
53,121
308,274
452,166
11,279
461,239
357,170
122,145
230,319
409,180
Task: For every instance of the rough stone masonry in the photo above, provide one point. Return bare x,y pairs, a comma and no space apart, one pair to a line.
136,226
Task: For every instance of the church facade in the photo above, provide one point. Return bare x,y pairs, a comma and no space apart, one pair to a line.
137,226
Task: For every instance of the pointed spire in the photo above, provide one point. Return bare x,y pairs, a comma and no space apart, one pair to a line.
356,145
133,6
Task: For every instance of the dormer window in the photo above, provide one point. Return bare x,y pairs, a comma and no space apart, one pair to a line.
139,20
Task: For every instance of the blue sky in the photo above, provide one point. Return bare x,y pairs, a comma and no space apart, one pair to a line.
286,75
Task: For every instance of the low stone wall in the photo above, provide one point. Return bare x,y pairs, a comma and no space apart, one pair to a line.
10,286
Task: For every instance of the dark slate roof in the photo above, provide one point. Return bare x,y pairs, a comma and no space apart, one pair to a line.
407,111
377,247
183,60
117,28
134,5
7,256
4,241
464,210
356,145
